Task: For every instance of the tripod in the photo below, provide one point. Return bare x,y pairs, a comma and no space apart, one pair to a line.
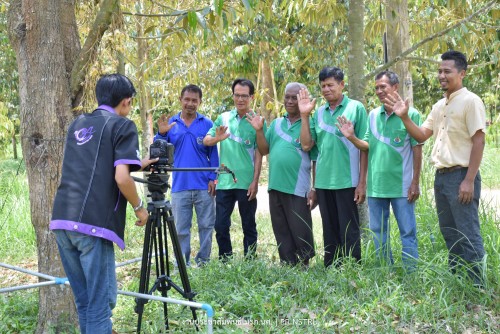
155,244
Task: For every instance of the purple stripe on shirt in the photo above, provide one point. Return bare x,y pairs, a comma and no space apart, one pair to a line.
87,229
127,162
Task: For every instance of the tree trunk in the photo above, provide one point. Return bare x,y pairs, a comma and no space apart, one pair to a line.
356,69
356,56
44,35
40,37
268,97
144,101
398,40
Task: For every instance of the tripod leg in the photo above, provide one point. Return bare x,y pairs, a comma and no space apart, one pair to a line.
162,271
179,257
145,270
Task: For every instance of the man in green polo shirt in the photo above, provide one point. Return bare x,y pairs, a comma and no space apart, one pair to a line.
394,162
340,169
290,196
238,152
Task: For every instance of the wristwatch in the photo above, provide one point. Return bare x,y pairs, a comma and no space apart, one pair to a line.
139,206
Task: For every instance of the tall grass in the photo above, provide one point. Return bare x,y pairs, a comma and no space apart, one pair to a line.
262,296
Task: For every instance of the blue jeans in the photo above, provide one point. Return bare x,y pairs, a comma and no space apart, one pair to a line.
182,208
404,212
89,263
459,223
226,199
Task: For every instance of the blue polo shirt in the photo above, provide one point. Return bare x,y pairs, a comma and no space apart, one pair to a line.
191,153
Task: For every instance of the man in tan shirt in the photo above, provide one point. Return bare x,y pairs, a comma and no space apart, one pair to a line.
458,124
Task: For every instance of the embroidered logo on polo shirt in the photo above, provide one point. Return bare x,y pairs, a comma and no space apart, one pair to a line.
84,135
397,140
199,140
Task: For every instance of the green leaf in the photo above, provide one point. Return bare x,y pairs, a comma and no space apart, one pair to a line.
149,29
191,16
201,20
247,4
218,4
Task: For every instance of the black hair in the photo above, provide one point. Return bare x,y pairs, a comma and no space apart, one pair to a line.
459,58
331,72
243,82
111,89
192,88
393,77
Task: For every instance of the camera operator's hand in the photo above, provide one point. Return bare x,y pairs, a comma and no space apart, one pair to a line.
146,162
163,126
142,217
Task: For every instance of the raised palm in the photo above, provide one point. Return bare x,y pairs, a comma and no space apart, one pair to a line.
345,126
306,105
256,121
395,102
220,133
163,126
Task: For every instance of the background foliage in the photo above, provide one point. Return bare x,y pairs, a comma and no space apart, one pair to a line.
209,43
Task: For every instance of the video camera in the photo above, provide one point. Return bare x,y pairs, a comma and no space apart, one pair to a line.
164,151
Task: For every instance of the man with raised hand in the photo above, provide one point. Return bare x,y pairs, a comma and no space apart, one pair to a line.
238,152
186,131
394,164
340,169
458,123
291,198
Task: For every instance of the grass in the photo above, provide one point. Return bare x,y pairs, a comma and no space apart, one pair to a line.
261,296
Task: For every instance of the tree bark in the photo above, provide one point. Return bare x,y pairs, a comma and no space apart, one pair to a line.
144,100
268,97
36,33
44,35
356,57
356,67
398,39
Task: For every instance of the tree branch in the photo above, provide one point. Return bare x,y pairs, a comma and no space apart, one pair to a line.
428,60
428,39
174,31
89,49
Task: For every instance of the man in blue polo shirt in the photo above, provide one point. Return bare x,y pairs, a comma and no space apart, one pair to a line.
102,148
186,131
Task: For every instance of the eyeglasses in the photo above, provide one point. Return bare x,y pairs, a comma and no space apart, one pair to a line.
243,97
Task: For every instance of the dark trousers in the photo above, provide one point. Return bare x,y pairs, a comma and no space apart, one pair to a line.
225,201
292,226
341,232
459,223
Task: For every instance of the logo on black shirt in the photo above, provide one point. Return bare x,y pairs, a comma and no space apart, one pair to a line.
84,135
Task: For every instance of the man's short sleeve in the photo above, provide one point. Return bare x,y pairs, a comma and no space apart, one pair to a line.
217,123
269,134
429,121
415,117
126,147
366,136
361,120
475,115
313,120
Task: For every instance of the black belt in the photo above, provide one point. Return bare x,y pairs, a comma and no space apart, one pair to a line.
449,169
